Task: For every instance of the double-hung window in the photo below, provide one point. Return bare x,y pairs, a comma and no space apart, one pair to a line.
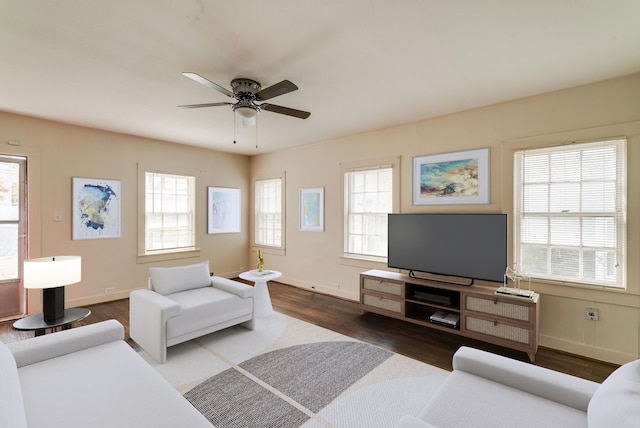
268,213
169,212
368,199
570,212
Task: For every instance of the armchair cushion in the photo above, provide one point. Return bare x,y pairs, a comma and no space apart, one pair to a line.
615,403
205,307
180,278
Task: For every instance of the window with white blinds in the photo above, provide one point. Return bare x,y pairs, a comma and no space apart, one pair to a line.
368,200
169,212
570,212
268,212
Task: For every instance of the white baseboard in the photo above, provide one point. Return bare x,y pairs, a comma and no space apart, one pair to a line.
601,354
101,298
332,291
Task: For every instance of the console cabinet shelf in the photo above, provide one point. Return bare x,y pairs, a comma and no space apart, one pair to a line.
502,320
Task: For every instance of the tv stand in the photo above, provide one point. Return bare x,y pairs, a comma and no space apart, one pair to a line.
441,278
501,320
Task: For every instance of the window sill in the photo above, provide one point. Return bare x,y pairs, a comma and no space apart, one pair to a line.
161,256
269,250
363,262
577,284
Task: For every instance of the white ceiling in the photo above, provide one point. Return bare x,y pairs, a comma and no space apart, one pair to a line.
359,64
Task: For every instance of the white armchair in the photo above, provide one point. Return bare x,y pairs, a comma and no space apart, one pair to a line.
184,302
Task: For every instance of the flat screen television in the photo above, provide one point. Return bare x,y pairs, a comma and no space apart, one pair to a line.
472,246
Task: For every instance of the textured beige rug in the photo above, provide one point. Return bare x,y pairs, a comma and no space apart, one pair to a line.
289,373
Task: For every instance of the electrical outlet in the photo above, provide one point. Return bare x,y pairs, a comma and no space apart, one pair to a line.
591,314
109,290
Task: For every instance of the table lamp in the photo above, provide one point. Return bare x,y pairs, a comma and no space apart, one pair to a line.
51,274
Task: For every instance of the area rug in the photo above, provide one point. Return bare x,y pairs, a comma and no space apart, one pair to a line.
289,373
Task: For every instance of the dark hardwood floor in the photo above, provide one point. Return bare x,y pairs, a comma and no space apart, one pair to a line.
343,316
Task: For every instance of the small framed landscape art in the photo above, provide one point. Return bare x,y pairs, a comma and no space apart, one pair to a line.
312,209
451,178
224,210
96,206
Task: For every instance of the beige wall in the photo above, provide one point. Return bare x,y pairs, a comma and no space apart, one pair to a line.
314,260
58,152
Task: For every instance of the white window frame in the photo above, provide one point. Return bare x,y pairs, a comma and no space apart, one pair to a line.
269,218
576,242
364,167
187,211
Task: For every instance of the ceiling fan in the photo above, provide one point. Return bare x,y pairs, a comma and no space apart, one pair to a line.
247,92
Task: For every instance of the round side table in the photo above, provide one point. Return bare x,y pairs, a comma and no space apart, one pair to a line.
36,322
261,298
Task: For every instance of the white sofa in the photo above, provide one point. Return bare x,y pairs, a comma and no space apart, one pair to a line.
184,302
488,390
86,377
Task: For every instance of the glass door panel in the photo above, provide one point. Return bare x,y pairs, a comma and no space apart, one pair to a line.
12,235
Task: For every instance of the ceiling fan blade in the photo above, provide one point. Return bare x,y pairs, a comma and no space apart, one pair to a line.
205,105
209,83
278,89
285,110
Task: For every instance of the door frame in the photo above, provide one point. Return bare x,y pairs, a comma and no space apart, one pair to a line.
32,302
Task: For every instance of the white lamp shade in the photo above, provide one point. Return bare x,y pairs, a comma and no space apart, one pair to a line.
51,272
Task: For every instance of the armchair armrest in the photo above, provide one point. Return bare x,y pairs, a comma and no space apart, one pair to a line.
65,342
560,387
234,287
148,315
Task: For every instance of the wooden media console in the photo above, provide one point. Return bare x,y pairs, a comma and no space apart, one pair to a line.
507,321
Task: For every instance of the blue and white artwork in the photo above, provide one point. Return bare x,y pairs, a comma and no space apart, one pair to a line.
451,178
312,209
96,208
224,210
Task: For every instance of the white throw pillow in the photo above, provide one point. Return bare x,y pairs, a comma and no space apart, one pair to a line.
180,278
616,402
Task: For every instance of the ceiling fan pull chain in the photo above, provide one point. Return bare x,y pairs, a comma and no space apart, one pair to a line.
257,121
234,126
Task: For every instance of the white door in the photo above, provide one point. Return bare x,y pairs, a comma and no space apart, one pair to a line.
12,235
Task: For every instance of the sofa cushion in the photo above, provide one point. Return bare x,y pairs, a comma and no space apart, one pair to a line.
616,402
11,404
104,386
180,278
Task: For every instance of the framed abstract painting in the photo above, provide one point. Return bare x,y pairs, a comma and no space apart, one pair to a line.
451,178
312,209
97,208
224,210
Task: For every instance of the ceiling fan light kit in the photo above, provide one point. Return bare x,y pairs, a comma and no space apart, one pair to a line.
246,112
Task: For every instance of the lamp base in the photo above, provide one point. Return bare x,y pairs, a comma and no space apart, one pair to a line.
53,303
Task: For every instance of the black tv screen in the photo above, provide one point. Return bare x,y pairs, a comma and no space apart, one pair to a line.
470,246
